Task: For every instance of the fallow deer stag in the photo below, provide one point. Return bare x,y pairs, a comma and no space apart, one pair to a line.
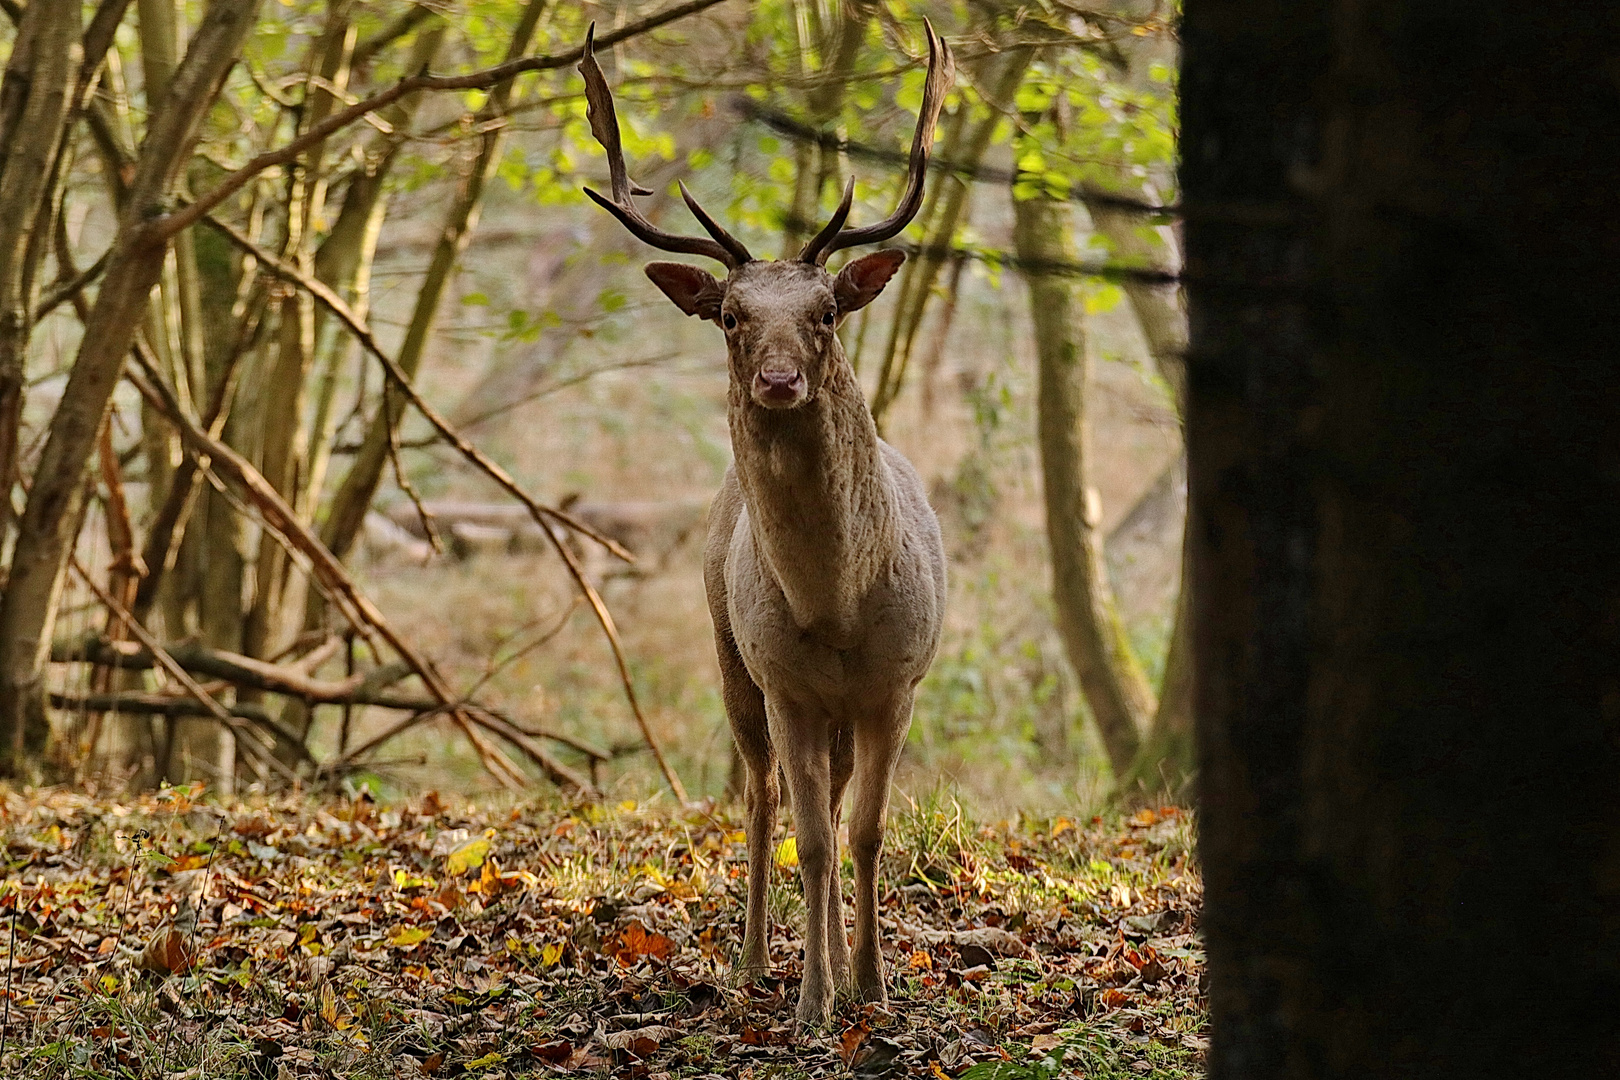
823,564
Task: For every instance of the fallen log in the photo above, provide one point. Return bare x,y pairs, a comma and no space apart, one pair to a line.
362,688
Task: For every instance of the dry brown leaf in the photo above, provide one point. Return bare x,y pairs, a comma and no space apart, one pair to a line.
168,953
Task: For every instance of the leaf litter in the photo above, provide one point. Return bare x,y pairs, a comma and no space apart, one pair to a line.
295,937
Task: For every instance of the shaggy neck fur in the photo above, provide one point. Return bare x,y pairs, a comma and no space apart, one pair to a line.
820,502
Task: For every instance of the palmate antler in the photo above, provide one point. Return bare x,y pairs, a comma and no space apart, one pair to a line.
605,126
727,248
834,237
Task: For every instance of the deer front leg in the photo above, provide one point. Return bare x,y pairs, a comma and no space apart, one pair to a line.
764,795
805,760
745,708
877,750
843,765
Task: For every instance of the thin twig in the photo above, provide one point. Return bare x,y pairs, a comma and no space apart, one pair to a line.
161,228
180,675
66,290
429,520
325,567
539,512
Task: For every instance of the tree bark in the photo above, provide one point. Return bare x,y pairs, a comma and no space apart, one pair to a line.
1110,678
283,439
36,99
46,532
1405,492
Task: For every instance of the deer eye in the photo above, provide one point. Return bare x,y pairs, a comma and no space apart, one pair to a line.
827,319
730,321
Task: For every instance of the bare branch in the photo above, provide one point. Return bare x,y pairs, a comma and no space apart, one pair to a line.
181,676
540,513
67,290
391,33
161,228
336,305
281,518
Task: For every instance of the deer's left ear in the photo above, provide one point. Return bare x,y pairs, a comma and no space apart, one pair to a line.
860,281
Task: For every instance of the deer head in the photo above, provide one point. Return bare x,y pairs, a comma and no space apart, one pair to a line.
779,317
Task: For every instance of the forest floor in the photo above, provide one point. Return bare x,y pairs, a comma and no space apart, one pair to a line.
298,937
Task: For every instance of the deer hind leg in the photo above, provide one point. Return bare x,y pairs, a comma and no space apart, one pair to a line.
878,742
745,708
842,766
803,742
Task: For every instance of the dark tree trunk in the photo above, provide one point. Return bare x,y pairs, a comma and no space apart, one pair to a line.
1404,430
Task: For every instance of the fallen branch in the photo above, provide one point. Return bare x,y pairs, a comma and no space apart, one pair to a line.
365,688
179,675
280,517
143,703
538,511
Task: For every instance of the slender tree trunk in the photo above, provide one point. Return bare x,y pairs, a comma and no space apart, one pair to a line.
344,262
283,440
838,44
353,498
46,532
967,140
36,99
1160,309
1118,693
1166,762
1403,226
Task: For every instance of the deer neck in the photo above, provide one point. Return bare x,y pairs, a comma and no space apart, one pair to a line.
820,501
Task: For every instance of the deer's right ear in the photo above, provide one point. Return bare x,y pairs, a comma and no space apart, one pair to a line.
694,291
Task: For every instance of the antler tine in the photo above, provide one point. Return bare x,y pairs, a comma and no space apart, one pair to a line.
714,228
941,73
812,252
605,126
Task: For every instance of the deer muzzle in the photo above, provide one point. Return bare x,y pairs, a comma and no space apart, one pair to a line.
778,388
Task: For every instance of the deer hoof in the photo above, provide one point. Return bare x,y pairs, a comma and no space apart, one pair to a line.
871,991
815,1010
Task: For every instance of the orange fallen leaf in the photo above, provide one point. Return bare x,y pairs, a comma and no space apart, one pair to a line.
636,941
851,1042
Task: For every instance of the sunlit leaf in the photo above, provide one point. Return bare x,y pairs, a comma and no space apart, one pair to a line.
408,937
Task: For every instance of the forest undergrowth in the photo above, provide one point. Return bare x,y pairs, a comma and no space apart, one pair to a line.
294,937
